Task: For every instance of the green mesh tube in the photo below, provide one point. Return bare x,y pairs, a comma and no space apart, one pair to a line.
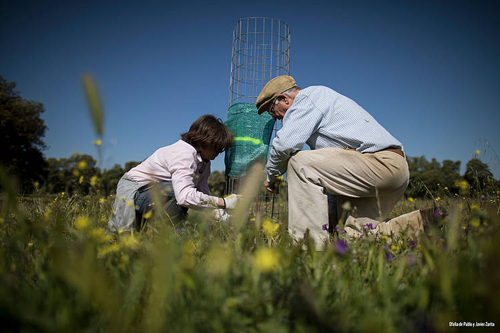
252,133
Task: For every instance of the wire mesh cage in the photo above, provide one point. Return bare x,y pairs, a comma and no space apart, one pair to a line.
260,52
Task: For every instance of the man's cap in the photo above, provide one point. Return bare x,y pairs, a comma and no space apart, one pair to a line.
272,89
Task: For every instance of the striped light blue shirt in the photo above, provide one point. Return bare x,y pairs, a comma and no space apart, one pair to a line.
323,118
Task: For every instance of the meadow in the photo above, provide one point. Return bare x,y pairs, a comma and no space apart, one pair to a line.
61,271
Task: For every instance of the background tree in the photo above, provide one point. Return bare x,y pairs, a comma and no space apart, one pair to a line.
21,133
110,179
479,176
432,177
130,165
217,183
77,174
450,173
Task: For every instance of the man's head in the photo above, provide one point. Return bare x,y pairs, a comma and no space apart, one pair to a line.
272,91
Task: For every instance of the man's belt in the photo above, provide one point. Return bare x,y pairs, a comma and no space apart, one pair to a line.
395,150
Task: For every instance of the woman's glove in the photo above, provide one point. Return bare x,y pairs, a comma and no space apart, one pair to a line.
221,215
231,201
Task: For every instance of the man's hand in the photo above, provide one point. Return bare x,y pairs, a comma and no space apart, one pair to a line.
273,186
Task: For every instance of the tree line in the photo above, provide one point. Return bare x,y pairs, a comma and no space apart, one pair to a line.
21,156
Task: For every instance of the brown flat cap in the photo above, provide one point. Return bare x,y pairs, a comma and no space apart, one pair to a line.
272,89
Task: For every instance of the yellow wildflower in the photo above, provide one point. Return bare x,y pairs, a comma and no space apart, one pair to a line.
76,173
478,152
475,223
270,228
122,197
82,222
102,200
129,241
94,180
80,180
111,248
266,259
82,165
411,200
462,184
148,215
97,142
99,234
129,203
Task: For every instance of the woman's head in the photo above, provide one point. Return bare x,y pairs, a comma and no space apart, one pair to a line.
209,133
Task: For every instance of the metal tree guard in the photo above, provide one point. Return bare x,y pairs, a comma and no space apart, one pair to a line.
260,52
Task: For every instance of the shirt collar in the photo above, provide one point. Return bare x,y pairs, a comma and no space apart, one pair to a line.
198,155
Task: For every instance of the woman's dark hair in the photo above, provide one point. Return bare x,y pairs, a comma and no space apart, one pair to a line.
209,131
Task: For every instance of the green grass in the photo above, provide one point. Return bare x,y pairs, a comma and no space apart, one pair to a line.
59,271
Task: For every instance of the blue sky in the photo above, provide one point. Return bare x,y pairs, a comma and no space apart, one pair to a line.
428,71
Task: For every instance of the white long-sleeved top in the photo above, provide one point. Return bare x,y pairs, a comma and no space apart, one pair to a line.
323,118
181,164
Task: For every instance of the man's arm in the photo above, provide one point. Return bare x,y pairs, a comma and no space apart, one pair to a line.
300,122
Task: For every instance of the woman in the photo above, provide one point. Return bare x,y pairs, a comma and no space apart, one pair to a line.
174,176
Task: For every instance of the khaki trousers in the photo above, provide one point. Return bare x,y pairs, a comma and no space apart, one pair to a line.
372,183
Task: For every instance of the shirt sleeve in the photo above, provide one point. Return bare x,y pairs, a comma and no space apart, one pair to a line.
182,165
301,120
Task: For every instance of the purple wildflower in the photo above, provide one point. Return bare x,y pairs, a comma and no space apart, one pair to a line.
444,215
388,255
469,227
368,226
341,247
178,231
342,231
435,213
335,230
412,243
324,227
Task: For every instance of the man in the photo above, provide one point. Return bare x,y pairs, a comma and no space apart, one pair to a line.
352,157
